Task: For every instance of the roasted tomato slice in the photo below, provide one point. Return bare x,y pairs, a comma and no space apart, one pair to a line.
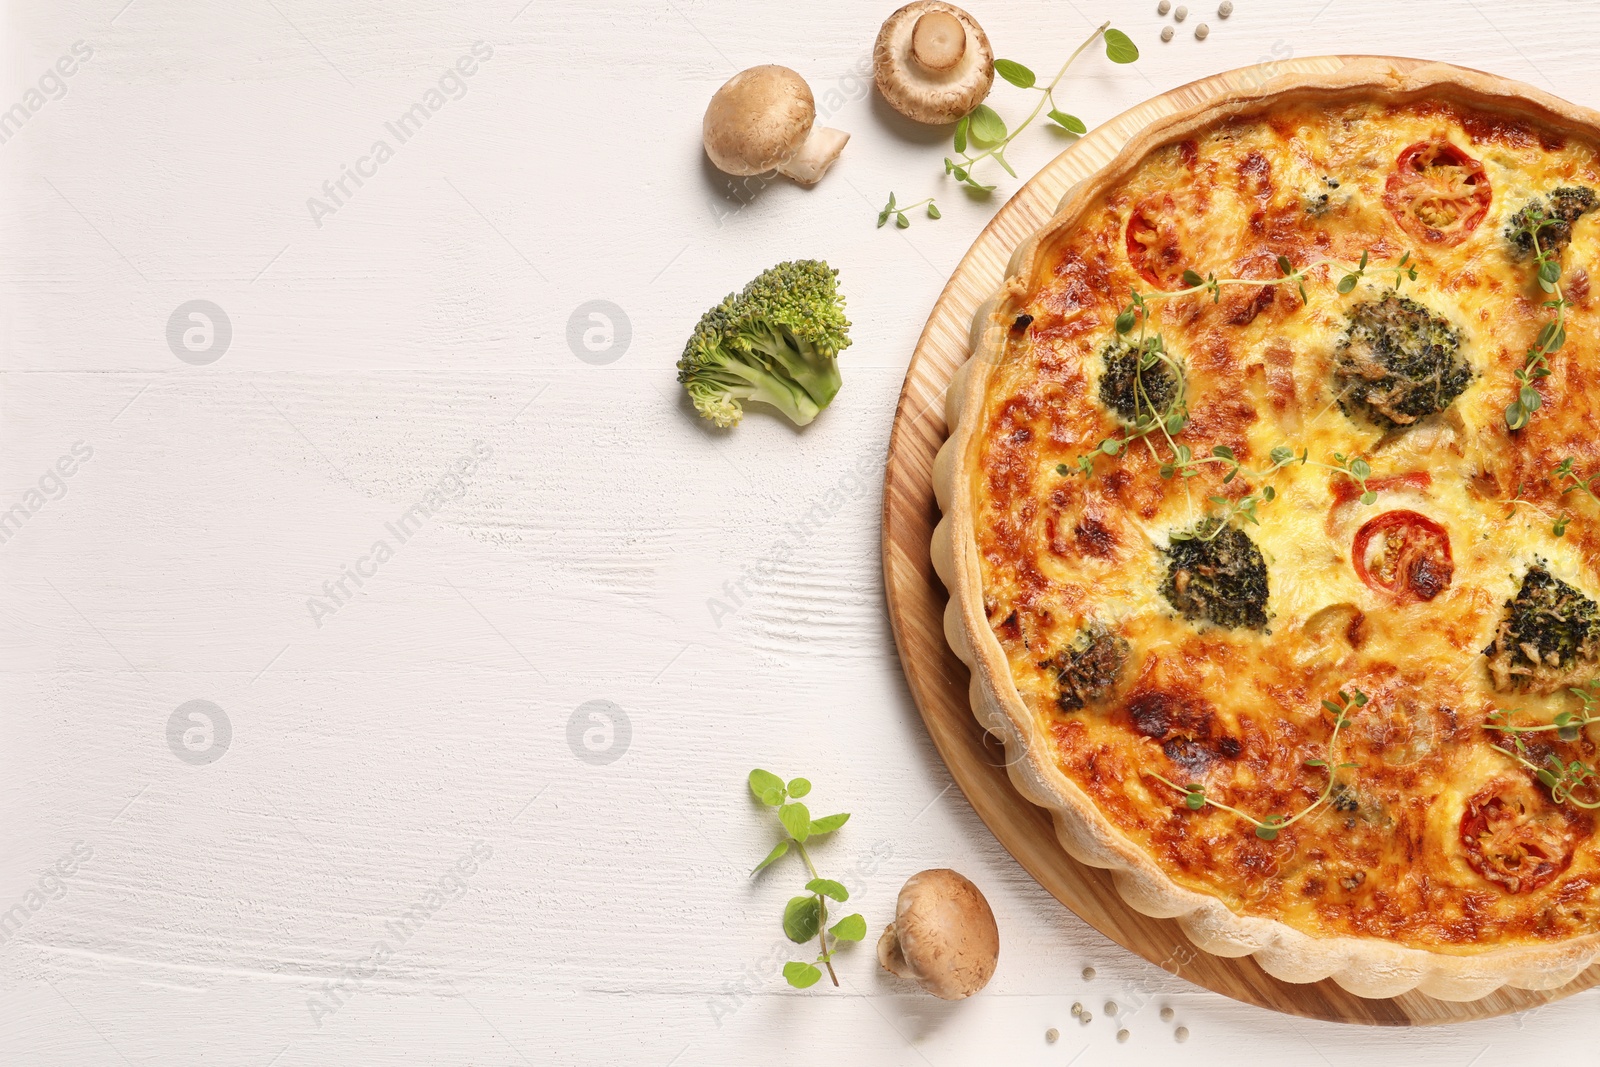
1437,192
1516,838
1155,243
1404,554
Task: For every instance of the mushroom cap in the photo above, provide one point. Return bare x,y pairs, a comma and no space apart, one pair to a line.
758,119
919,91
944,936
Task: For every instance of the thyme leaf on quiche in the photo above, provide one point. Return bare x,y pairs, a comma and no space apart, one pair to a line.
1564,778
983,127
898,212
1268,827
806,916
1565,723
1543,230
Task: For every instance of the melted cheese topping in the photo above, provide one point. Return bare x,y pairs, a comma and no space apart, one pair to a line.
1240,711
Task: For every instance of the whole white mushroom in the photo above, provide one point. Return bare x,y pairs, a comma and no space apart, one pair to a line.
932,62
943,937
763,119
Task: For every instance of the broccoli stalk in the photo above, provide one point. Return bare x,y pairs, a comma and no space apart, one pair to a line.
776,342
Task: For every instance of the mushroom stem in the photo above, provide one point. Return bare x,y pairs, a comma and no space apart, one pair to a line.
938,41
813,158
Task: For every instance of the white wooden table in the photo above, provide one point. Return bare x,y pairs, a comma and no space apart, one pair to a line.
399,746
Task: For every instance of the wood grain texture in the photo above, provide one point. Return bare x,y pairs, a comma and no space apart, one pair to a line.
939,680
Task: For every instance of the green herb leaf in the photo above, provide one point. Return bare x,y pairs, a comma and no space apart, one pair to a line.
767,787
1070,123
801,975
849,928
1285,266
778,850
961,135
901,221
1015,73
1369,498
828,888
1192,279
1111,446
933,210
1347,283
797,820
1125,321
828,824
986,126
1119,49
802,918
799,787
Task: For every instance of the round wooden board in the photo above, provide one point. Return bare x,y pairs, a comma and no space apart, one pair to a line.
938,679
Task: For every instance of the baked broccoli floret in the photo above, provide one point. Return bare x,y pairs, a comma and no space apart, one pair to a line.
1217,573
1088,668
776,342
1549,638
1398,362
1551,218
1136,380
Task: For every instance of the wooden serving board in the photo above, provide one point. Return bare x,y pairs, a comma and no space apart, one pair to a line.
938,679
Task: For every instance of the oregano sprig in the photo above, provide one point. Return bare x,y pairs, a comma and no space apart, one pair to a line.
902,220
983,127
1269,826
806,916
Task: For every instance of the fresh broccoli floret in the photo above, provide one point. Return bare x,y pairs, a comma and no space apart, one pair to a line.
776,342
1398,362
1552,219
1131,390
1217,575
1548,639
1089,666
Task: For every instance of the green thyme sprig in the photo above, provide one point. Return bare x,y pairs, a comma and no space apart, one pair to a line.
1562,778
806,916
984,127
901,219
1566,724
1558,523
1269,826
1536,364
1568,477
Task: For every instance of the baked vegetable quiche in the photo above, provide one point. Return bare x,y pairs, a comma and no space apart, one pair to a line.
1270,534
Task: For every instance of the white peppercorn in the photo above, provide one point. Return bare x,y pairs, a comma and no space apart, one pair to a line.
1051,1034
1163,7
1166,33
1181,14
1225,10
1201,32
1181,1034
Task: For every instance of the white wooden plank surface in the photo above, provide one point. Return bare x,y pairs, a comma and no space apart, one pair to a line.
227,912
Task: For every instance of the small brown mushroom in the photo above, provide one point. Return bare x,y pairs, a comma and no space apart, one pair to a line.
763,119
943,936
933,62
